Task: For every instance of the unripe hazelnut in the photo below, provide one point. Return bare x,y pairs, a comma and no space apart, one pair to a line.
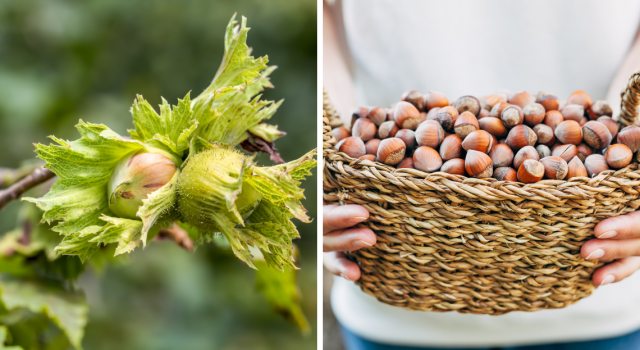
435,99
533,114
451,147
377,115
353,147
468,104
493,126
501,156
388,129
549,102
433,113
566,152
478,164
512,116
555,168
426,159
370,157
611,124
406,163
526,152
630,136
391,151
465,124
364,129
447,117
576,169
583,151
505,174
599,109
408,137
414,97
572,112
360,112
522,99
580,98
429,133
569,131
520,136
454,166
407,116
478,140
543,151
553,119
340,133
595,164
496,111
371,147
618,156
545,134
530,171
596,135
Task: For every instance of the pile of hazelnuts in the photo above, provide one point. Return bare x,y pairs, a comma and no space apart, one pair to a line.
507,136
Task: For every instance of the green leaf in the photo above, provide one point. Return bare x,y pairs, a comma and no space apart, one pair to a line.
4,334
266,132
157,204
67,310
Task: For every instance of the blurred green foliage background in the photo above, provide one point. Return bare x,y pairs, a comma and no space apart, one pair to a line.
64,60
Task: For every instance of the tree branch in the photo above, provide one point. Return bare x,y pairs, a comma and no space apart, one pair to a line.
9,176
14,192
178,235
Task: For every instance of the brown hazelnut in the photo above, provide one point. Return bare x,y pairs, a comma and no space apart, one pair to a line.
407,116
522,99
408,137
611,124
451,147
423,117
478,140
370,157
618,156
429,133
555,168
353,147
533,114
549,102
576,169
488,102
364,129
360,112
566,152
426,159
478,164
572,112
520,136
526,152
512,116
493,126
468,104
505,174
371,147
583,121
501,156
497,109
435,99
553,119
388,129
595,164
545,134
530,171
406,163
465,124
447,117
390,116
433,113
391,151
596,135
583,151
414,97
340,133
569,131
599,109
454,166
377,115
580,98
483,114
543,151
630,136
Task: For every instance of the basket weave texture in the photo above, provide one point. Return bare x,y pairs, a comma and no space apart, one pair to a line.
451,243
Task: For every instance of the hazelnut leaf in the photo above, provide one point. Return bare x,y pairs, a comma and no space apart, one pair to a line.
157,204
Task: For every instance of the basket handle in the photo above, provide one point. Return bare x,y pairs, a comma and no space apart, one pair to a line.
630,99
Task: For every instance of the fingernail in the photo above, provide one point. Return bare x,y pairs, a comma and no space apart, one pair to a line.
359,218
361,244
596,254
607,279
345,277
608,234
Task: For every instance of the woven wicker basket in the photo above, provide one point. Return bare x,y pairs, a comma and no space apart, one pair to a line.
483,246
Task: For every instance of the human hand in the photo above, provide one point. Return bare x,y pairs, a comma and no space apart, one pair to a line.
618,241
338,236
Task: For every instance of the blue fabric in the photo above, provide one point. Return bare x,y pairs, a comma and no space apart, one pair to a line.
626,342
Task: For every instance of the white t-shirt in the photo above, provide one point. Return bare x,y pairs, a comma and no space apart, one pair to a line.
466,47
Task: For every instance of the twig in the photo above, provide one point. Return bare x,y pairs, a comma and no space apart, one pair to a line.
14,192
178,235
9,176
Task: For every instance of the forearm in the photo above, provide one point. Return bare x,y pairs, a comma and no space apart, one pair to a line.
336,74
630,64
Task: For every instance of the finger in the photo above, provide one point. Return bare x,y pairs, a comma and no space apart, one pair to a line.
348,240
610,249
339,265
620,227
616,271
336,217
